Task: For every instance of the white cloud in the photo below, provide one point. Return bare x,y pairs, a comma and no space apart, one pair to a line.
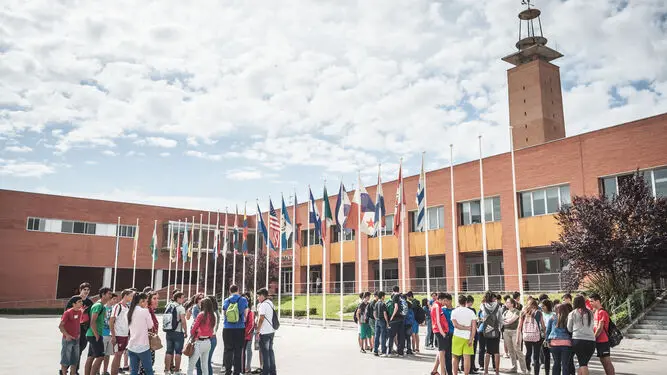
192,141
157,142
203,155
91,162
164,154
109,153
244,174
18,168
20,149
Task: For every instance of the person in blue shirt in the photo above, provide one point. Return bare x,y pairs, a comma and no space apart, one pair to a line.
233,332
447,310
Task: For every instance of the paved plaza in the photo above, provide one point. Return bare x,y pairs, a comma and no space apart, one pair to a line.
32,346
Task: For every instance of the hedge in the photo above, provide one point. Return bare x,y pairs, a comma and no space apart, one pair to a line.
298,313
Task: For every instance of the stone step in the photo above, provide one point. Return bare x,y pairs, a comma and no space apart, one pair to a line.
659,327
646,337
654,321
656,332
658,314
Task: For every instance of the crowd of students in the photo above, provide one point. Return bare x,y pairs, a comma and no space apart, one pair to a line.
123,327
388,326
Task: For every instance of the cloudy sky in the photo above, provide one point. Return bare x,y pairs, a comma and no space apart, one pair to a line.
210,103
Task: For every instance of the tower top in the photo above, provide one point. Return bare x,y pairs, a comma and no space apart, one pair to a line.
532,45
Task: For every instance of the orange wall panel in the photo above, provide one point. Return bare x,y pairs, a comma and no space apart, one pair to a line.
538,230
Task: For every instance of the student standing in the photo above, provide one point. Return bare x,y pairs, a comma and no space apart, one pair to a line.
465,326
84,291
560,340
396,327
601,327
364,326
70,326
120,330
493,321
106,333
381,325
532,330
138,347
214,337
440,330
266,331
246,360
201,333
547,314
511,337
94,333
175,332
580,323
427,322
235,312
153,300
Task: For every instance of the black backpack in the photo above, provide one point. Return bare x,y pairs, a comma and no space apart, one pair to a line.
355,314
275,322
420,314
491,323
169,318
614,334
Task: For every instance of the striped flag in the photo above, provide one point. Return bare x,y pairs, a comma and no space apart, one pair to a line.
380,210
285,225
154,244
262,226
314,217
421,194
245,231
225,236
136,241
400,201
327,217
274,226
184,246
235,233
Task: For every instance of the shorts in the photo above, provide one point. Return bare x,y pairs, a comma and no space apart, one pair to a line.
443,342
415,328
364,331
460,346
584,350
121,344
69,354
95,347
371,322
492,346
603,349
175,341
108,348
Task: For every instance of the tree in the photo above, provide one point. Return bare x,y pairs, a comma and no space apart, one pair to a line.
250,271
619,241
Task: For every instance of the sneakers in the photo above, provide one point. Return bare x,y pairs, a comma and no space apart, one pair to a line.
383,355
376,354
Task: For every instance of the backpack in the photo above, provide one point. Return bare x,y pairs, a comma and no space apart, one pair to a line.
420,314
370,311
354,315
614,334
275,322
404,307
410,317
363,307
169,318
491,330
232,313
390,308
531,329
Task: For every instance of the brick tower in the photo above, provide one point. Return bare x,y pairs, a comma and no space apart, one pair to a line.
535,97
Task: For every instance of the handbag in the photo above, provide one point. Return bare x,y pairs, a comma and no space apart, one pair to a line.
189,348
155,341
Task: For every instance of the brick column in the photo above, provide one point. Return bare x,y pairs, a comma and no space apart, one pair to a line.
408,271
326,263
366,270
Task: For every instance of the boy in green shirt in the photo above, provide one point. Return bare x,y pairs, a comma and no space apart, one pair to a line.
94,333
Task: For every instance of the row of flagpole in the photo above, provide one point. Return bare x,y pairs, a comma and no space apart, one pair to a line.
369,220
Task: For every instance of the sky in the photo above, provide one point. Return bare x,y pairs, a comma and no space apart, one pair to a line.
209,104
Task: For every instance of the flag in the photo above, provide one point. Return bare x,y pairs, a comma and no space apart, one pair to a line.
363,204
342,206
245,231
421,194
216,242
136,241
400,201
262,226
191,248
314,217
327,218
184,245
225,240
297,241
154,244
274,227
285,226
380,210
235,233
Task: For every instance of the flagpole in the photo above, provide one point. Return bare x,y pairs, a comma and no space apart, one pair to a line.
310,209
403,286
224,257
115,265
190,251
293,256
178,253
183,258
134,253
217,251
483,211
171,248
454,227
280,253
516,219
360,279
340,239
234,243
426,228
268,245
244,251
380,226
201,217
254,284
324,256
153,255
208,233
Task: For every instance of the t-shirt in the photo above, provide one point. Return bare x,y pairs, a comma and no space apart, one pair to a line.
266,310
195,311
180,311
509,315
249,325
98,308
380,309
121,326
72,322
87,303
463,316
437,315
141,323
448,315
397,316
243,305
601,316
106,331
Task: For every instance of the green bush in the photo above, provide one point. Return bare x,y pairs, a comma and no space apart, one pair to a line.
33,311
350,307
297,313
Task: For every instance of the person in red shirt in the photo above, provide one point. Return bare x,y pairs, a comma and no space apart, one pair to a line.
201,333
70,326
600,328
440,330
246,354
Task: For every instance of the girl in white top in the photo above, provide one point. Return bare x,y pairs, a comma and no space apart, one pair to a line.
139,346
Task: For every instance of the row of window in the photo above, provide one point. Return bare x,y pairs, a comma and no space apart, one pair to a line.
656,180
79,227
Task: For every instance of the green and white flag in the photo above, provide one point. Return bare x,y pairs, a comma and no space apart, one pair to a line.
326,214
154,244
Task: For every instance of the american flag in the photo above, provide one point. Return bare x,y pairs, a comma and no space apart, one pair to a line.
274,226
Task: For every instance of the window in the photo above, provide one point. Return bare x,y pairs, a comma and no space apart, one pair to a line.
33,223
67,226
544,201
391,274
79,227
656,179
312,237
388,225
128,231
434,215
538,266
475,269
471,213
348,234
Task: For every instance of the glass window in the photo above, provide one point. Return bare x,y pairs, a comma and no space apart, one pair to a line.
436,217
609,187
471,211
412,219
552,199
526,205
33,224
660,182
79,227
465,213
496,209
475,212
90,228
67,226
389,224
565,199
488,209
539,203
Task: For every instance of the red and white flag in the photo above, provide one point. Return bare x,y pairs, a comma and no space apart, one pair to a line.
400,201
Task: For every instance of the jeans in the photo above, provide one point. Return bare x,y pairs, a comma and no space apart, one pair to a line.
247,357
268,356
429,333
408,338
202,350
214,343
233,339
547,359
533,349
562,357
397,330
514,349
380,336
448,354
144,358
